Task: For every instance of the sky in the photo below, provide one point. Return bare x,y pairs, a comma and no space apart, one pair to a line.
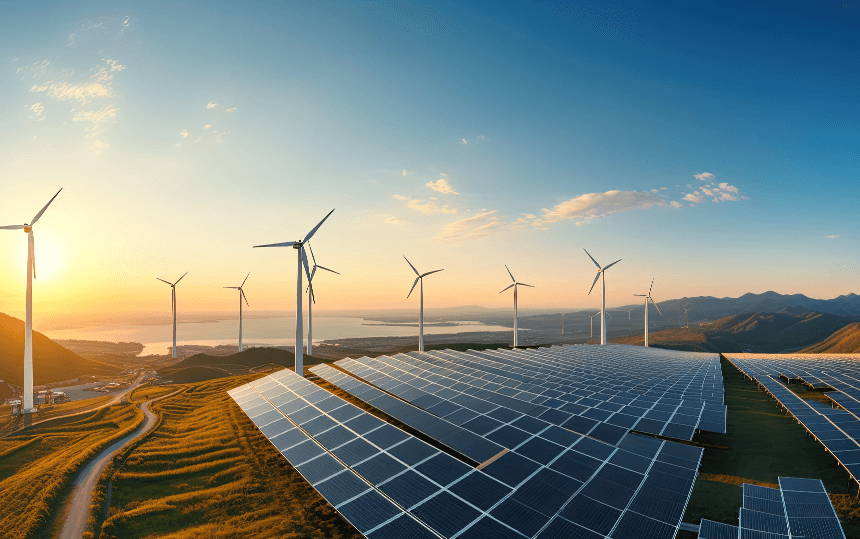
710,146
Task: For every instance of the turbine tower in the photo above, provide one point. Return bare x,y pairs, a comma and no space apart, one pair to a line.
600,271
647,299
419,277
312,300
241,297
515,300
28,318
562,323
173,301
302,260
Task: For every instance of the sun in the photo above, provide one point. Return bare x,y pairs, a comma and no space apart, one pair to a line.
48,255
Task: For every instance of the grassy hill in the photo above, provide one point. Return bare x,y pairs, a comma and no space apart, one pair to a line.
787,331
844,341
51,362
201,367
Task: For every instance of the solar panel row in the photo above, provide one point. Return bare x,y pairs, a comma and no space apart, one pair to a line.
799,508
552,483
838,429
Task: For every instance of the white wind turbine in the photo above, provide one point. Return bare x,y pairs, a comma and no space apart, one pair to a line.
562,323
241,297
600,271
173,302
591,319
515,300
419,277
302,260
312,300
28,317
687,317
647,299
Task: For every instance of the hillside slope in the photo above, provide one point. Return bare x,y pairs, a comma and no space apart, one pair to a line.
51,362
200,367
844,341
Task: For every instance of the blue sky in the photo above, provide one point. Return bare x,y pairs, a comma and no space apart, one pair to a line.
465,137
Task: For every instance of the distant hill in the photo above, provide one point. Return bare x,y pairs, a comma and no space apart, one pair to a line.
844,341
51,362
201,367
787,331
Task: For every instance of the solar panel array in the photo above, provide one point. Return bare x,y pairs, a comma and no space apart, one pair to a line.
543,480
838,429
799,508
600,391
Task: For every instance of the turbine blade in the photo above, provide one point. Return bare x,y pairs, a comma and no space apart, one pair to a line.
246,278
610,265
282,244
311,278
511,286
313,296
434,271
528,285
609,315
314,230
655,305
641,295
38,215
509,273
234,287
592,258
12,227
594,283
243,297
331,270
177,281
411,266
305,262
163,281
413,287
313,258
652,287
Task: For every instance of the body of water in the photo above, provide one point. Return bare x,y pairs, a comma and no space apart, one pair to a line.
279,331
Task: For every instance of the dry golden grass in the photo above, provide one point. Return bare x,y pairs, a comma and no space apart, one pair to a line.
147,392
37,464
207,471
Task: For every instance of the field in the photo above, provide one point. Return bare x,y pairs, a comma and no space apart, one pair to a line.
763,443
37,464
147,392
206,471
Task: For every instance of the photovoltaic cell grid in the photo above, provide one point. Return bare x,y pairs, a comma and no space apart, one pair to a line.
389,484
659,392
838,429
799,508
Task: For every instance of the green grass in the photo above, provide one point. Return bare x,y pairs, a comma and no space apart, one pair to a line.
763,443
207,471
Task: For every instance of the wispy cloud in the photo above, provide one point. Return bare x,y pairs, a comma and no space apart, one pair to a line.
399,197
476,226
231,109
676,204
393,221
441,185
183,133
211,105
834,237
429,207
404,173
592,205
704,176
691,197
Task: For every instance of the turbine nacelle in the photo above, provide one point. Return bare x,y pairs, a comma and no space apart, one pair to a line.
27,228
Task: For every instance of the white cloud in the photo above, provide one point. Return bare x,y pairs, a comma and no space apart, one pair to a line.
393,221
475,226
443,174
729,188
38,109
591,205
725,197
399,197
183,133
211,105
207,126
833,237
704,176
404,173
692,198
676,204
441,185
706,191
231,109
688,186
463,141
430,207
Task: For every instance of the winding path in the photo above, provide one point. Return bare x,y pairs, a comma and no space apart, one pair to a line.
78,505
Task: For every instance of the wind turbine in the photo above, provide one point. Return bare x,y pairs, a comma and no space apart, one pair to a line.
173,301
515,300
302,260
562,323
241,297
647,299
600,271
312,300
591,317
28,318
419,277
686,316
